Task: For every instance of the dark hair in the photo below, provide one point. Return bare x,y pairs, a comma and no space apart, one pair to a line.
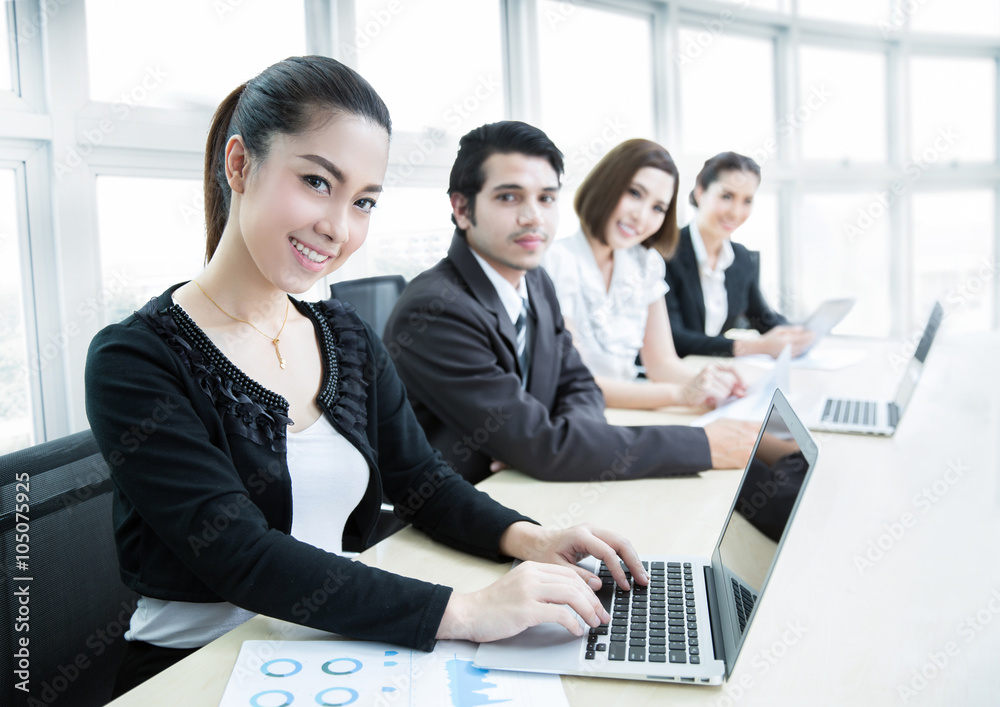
505,137
602,189
286,98
722,162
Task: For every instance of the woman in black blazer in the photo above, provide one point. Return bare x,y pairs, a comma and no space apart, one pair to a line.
713,281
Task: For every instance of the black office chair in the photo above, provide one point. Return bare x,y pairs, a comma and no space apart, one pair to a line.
372,297
77,608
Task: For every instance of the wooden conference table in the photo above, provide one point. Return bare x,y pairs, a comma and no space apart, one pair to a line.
888,587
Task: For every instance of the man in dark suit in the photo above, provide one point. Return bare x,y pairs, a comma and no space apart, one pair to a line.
480,342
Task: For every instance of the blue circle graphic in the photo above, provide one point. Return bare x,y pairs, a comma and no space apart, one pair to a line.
352,695
287,695
266,668
330,671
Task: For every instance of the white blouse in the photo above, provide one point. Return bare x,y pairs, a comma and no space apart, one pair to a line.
713,280
329,478
609,323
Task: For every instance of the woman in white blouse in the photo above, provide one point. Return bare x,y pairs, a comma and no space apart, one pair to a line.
609,277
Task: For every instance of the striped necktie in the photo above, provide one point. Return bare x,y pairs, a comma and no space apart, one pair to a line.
521,327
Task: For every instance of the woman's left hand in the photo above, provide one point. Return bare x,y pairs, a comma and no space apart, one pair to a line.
714,384
568,546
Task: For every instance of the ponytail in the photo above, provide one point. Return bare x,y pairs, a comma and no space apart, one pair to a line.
217,191
286,98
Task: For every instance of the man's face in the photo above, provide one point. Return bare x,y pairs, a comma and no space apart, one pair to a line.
515,216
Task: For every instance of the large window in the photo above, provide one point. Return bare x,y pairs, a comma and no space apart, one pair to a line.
595,72
185,53
874,121
16,424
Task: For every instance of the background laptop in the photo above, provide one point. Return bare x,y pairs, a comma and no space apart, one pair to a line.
878,417
690,623
828,315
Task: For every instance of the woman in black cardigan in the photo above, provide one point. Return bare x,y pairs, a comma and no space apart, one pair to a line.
223,508
713,282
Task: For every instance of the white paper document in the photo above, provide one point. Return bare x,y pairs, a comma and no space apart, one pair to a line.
754,405
292,673
817,359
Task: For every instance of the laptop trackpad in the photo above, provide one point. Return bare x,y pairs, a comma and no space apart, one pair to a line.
543,648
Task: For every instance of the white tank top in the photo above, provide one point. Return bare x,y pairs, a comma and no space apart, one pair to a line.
323,496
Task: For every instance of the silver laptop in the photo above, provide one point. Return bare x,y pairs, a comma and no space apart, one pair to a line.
689,624
878,417
828,315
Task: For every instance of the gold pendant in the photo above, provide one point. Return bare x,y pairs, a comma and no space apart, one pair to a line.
281,361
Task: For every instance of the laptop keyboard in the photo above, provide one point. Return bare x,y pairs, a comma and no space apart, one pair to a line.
745,600
655,624
851,412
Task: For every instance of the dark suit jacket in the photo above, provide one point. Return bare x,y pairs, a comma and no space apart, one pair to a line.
686,302
453,345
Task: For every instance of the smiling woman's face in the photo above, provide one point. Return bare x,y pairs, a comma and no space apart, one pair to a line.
307,207
727,202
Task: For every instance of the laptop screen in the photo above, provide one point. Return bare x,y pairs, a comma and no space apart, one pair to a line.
765,502
916,364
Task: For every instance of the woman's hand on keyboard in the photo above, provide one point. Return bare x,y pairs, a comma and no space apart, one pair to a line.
567,546
532,593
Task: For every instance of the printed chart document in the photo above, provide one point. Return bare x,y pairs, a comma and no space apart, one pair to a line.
291,673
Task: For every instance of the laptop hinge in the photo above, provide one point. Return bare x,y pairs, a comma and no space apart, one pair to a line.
718,645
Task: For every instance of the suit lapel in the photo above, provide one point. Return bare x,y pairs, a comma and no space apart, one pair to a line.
482,289
690,261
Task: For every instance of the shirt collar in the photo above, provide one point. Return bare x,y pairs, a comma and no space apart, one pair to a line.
726,255
513,299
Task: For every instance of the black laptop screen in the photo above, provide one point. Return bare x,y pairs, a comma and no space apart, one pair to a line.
764,504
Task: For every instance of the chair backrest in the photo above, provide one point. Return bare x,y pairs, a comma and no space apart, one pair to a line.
372,297
55,518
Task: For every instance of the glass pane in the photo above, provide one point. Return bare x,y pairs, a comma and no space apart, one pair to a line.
6,51
596,84
865,12
835,85
141,262
953,115
738,114
959,269
16,428
430,77
843,251
411,230
181,54
954,16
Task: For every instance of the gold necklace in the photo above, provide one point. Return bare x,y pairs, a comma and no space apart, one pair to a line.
275,340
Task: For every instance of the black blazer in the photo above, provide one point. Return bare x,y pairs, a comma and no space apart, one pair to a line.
686,302
453,345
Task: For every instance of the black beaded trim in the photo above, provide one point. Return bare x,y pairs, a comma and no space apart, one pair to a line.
199,339
331,365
